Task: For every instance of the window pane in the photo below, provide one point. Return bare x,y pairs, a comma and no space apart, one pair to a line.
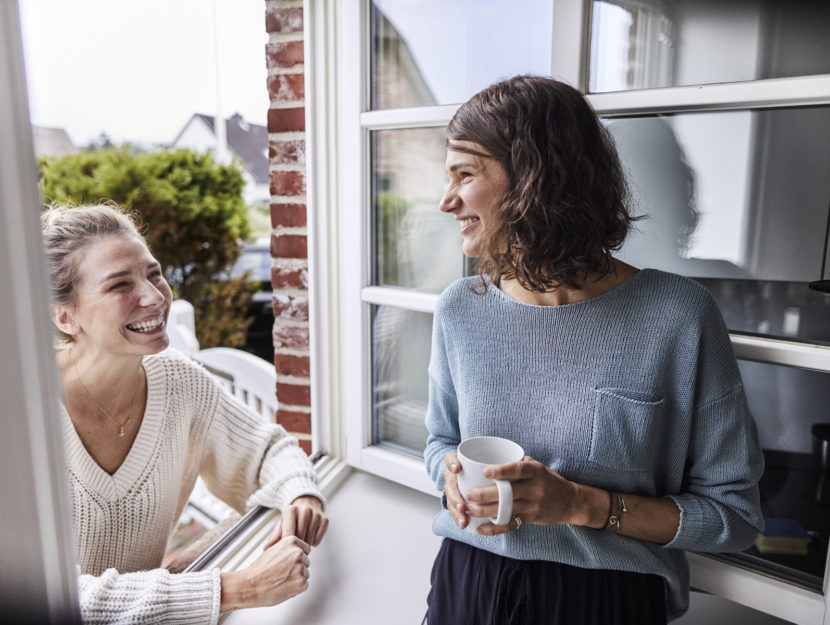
400,355
786,404
739,200
416,245
443,51
639,44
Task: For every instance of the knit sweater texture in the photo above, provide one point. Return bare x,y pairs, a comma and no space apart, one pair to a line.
636,391
122,521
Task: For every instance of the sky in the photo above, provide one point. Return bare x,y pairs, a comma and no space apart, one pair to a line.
138,71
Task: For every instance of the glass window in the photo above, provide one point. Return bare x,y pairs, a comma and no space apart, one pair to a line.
736,199
416,245
790,408
442,51
739,200
400,355
642,44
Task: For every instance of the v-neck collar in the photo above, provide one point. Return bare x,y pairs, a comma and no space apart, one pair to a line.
140,455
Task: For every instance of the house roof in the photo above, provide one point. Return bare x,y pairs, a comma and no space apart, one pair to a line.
52,141
248,141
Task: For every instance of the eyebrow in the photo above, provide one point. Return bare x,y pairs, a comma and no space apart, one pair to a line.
457,148
125,273
455,166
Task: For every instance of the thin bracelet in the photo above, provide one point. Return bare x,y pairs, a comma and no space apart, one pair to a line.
615,521
610,510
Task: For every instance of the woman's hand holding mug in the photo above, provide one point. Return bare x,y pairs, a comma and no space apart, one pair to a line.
465,475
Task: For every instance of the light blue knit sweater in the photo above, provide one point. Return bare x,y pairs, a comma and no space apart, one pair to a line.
636,390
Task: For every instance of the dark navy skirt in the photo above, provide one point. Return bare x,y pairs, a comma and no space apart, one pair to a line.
475,587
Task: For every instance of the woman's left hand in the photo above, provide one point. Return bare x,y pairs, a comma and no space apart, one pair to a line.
304,519
540,495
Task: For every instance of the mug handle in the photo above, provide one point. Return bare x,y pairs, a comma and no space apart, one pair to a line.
505,503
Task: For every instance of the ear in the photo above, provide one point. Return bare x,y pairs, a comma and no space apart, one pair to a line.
64,321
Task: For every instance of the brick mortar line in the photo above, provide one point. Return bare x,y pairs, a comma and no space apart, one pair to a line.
293,407
293,379
291,135
295,293
283,4
292,199
289,230
289,70
281,37
290,351
285,167
278,105
290,263
286,199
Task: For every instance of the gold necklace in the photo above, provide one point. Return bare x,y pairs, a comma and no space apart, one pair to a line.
120,425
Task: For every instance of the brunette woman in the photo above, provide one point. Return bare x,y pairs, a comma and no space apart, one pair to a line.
619,383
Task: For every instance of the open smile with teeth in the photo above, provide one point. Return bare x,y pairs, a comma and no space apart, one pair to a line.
146,326
466,222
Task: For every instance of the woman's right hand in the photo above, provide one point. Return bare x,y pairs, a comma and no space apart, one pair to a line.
455,503
279,573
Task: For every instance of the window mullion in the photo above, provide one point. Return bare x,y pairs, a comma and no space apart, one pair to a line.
400,298
775,92
570,42
781,352
415,117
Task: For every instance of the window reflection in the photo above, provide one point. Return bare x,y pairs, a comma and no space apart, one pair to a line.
400,355
790,407
442,51
416,245
738,200
641,44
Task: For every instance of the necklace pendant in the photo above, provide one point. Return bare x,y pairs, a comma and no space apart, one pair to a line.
121,431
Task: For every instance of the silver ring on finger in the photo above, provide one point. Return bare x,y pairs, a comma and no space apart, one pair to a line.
518,521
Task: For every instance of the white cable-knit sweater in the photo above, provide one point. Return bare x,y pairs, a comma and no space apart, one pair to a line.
122,521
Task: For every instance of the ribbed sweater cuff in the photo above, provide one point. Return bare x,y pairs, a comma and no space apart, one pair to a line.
692,530
157,597
280,494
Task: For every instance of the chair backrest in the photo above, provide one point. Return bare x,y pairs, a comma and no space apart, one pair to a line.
249,378
181,327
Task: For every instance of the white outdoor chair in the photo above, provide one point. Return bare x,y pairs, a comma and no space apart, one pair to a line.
254,383
247,377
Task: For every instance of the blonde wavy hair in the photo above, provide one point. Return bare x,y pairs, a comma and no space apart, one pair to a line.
67,232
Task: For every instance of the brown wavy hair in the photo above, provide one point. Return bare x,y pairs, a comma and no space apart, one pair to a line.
565,208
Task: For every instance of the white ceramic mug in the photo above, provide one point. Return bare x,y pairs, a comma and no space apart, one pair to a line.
474,455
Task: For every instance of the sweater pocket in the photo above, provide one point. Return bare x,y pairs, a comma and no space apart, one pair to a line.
627,430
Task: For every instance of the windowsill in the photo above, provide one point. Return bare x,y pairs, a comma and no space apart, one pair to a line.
373,566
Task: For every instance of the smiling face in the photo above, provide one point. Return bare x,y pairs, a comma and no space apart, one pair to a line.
477,182
121,299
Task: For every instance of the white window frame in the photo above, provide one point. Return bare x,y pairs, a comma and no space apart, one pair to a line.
339,123
36,541
349,286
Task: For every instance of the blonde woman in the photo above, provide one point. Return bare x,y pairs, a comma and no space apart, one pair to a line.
140,426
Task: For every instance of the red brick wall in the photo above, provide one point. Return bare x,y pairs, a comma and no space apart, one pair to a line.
284,58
